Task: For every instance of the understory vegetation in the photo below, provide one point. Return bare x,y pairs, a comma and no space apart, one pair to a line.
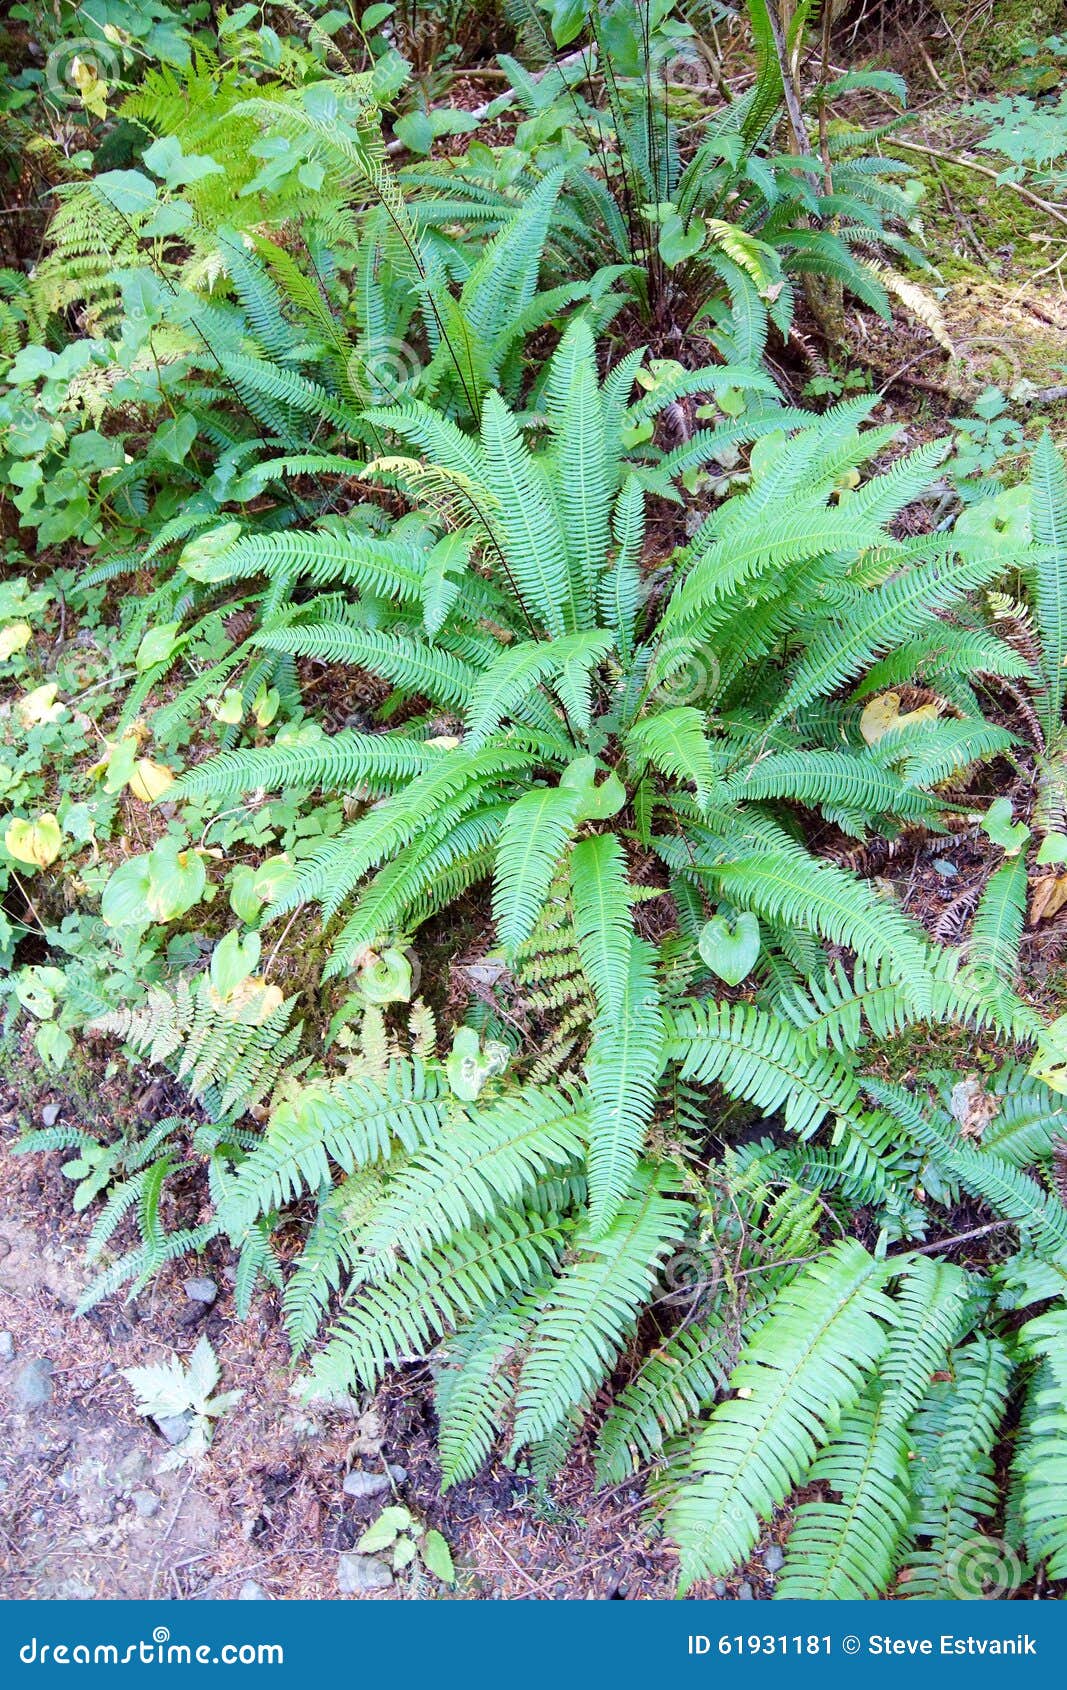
488,684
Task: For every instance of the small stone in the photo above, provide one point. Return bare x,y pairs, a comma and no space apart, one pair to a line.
201,1290
250,1591
175,1427
50,1114
397,1474
37,1518
719,1587
7,1346
359,1574
774,1558
146,1503
362,1485
131,1469
33,1383
746,1593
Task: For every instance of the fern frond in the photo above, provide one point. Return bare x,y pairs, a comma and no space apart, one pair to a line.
484,1162
803,1368
427,1298
592,1308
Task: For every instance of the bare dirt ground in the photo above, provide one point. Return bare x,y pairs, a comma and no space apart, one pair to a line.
87,1508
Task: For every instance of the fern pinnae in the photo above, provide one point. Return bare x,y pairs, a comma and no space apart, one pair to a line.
593,1306
803,1368
623,1067
602,923
486,1159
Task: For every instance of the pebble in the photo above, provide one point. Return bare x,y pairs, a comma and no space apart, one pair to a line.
50,1114
746,1593
250,1591
131,1469
719,1587
360,1484
33,1383
37,1518
175,1427
7,1346
201,1290
774,1558
397,1474
145,1502
358,1574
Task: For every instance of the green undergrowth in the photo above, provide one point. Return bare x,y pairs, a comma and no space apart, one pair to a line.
468,732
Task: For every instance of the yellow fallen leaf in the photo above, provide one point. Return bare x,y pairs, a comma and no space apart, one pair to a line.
13,638
39,706
252,1002
1047,896
883,714
35,843
150,780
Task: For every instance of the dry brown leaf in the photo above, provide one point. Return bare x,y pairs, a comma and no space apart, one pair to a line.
1047,896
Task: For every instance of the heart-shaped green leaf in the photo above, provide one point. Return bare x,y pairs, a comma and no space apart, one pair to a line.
730,952
998,824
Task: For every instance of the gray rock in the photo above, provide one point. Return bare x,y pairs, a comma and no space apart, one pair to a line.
719,1587
357,1575
33,1383
397,1474
131,1469
774,1559
250,1591
201,1290
175,1427
50,1114
746,1593
37,1518
146,1503
362,1485
7,1346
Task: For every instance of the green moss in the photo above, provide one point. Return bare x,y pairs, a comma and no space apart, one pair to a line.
919,1049
999,34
